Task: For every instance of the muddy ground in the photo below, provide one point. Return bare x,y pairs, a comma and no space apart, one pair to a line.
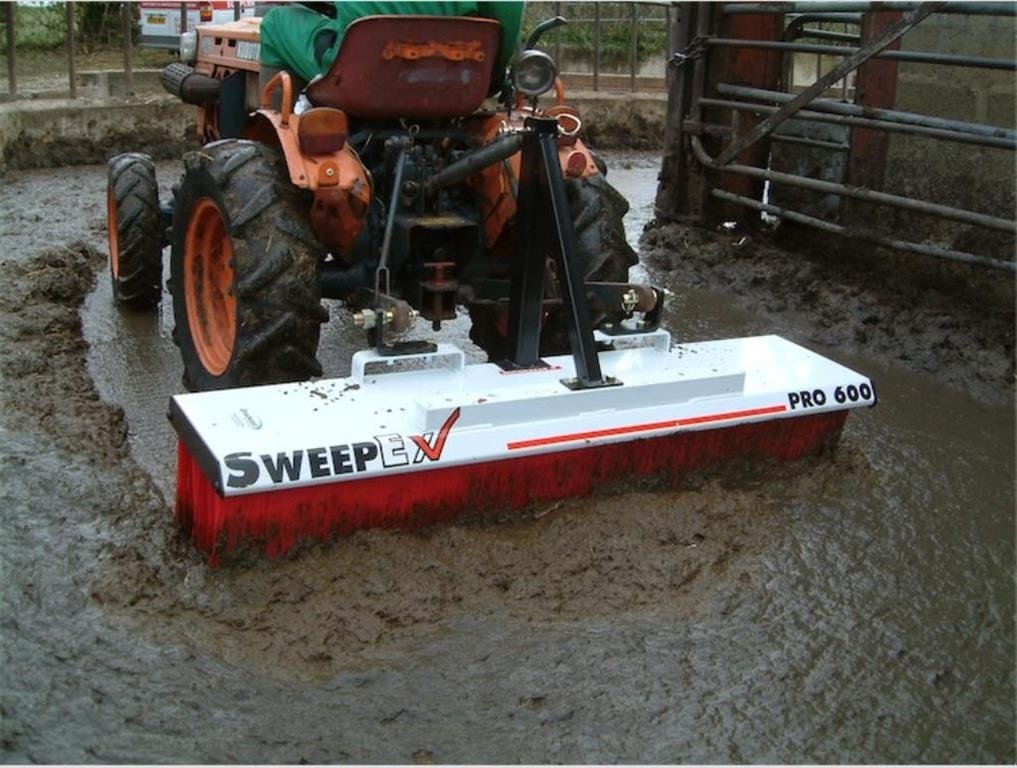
857,606
831,300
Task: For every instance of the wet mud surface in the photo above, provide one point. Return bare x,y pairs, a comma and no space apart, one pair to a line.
857,606
829,300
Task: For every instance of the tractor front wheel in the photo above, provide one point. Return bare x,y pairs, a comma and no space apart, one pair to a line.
244,271
135,227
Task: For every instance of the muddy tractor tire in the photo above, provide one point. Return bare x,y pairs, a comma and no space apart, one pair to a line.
135,227
244,270
598,212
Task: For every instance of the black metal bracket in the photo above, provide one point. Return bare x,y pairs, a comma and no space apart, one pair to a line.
544,223
391,313
695,49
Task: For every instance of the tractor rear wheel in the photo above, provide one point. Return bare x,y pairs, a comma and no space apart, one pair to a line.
135,227
598,212
244,271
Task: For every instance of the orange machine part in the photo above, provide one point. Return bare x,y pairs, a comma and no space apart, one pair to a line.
415,67
208,286
233,45
341,184
114,236
494,184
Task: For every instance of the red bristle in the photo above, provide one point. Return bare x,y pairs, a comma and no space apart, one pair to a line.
276,520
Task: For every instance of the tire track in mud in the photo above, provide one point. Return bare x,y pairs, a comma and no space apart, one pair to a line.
631,550
767,612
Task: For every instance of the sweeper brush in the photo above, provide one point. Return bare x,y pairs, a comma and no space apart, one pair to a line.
395,447
415,436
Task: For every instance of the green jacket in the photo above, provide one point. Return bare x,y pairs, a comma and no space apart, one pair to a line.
288,33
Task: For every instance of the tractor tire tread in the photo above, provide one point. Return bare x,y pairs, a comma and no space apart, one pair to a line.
279,310
137,279
598,212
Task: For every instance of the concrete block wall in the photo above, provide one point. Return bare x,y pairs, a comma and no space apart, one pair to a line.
50,132
976,178
55,132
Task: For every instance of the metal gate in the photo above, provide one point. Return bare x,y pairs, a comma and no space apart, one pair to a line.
746,136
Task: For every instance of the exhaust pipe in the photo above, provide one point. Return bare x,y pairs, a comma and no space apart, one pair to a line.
187,85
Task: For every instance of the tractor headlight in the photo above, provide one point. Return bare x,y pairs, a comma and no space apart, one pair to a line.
534,73
188,46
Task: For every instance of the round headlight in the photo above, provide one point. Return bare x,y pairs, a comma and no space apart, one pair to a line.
189,46
534,73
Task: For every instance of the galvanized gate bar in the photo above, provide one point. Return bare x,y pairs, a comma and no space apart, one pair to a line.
858,193
864,234
825,34
833,18
127,14
12,81
831,6
919,57
888,115
633,44
882,125
72,74
910,20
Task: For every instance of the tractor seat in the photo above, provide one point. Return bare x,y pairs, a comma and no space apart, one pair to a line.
417,67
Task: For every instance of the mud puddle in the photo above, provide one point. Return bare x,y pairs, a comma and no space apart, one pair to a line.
853,607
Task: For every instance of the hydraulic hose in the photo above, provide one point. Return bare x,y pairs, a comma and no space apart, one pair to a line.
474,161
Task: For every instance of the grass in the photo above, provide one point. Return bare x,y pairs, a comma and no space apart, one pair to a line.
40,35
43,27
41,42
30,63
577,37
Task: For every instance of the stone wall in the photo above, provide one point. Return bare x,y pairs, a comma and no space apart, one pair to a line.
50,132
56,132
977,178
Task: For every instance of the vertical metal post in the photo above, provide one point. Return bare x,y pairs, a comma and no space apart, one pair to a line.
667,32
570,274
543,224
875,86
12,80
526,285
127,14
596,46
72,73
183,18
764,68
671,192
632,46
557,38
236,10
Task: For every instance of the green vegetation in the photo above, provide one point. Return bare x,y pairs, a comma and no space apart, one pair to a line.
41,27
577,37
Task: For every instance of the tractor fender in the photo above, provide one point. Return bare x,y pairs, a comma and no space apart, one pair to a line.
342,186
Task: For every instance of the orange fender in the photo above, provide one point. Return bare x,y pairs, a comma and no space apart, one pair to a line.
341,184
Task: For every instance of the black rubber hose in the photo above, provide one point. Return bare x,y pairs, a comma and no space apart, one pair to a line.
475,161
339,283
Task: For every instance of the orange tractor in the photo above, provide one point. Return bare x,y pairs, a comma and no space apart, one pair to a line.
390,183
385,183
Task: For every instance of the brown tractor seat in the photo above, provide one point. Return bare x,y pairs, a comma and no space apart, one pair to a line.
417,67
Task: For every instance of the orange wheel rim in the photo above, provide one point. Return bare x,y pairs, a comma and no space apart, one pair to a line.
208,286
111,228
